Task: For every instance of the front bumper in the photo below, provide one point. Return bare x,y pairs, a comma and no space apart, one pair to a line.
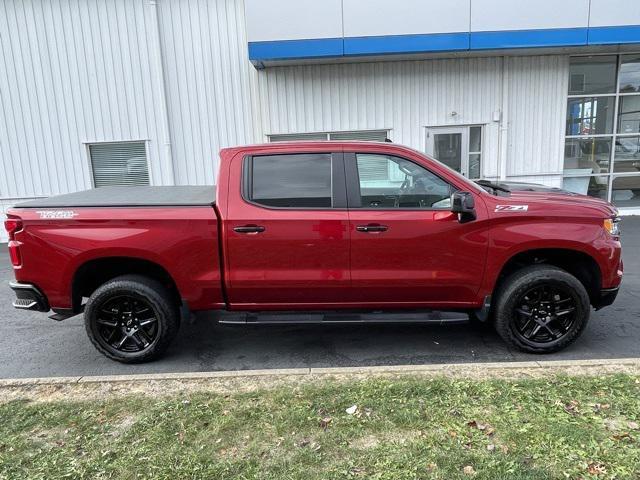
29,297
607,297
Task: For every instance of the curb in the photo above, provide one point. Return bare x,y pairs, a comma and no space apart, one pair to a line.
445,369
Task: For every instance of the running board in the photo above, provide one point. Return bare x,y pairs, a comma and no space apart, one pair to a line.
313,318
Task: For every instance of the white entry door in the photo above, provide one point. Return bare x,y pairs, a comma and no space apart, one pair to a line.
457,147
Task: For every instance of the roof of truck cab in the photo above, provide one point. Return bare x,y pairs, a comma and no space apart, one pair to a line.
166,196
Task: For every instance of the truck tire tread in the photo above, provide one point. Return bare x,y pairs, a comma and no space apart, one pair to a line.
517,283
160,299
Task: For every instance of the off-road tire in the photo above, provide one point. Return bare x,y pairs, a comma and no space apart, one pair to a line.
158,297
517,284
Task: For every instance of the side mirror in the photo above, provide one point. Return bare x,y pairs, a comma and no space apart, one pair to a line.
463,204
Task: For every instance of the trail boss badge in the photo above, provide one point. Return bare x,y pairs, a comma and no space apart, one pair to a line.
57,214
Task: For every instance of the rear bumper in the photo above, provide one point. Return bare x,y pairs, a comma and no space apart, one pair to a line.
607,297
29,297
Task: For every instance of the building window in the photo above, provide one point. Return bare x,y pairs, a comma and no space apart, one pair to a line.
119,164
602,144
374,170
366,135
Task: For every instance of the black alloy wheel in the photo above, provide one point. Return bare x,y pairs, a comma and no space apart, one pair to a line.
540,309
544,313
132,318
127,324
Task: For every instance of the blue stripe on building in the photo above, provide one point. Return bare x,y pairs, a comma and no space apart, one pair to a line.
556,37
434,42
290,49
441,42
613,35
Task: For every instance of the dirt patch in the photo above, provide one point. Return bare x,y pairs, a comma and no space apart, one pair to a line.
51,437
123,425
369,442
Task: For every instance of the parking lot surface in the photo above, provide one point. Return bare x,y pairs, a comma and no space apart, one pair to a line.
31,345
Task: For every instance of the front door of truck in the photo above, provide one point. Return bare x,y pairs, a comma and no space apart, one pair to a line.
406,245
287,233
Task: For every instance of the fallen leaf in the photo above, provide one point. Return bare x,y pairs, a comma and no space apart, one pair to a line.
468,470
324,422
358,471
352,409
491,447
483,427
303,443
596,468
504,449
623,436
431,467
633,425
453,433
572,407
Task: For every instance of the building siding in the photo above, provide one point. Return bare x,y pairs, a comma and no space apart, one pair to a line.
177,75
210,83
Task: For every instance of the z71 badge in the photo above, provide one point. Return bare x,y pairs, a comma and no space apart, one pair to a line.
511,208
57,214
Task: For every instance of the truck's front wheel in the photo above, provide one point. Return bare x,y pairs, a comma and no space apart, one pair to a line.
131,319
541,309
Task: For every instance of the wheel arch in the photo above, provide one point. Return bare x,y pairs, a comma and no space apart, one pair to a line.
95,272
578,263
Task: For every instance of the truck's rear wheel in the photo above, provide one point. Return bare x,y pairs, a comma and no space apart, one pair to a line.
541,309
131,319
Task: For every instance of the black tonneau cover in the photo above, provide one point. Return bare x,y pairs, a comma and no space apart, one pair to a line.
178,196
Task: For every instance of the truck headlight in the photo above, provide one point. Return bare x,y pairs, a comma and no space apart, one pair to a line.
612,225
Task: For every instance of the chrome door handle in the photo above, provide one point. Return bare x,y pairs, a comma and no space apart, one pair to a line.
372,227
249,229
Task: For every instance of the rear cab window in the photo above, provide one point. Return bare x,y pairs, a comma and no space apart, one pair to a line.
300,181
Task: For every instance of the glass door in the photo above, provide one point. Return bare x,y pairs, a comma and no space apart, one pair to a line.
460,148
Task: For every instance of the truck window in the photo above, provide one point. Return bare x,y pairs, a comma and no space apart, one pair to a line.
393,182
291,181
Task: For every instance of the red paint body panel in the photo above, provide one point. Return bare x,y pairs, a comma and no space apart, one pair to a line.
181,240
315,259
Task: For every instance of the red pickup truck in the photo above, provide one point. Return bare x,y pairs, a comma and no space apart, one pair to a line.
321,226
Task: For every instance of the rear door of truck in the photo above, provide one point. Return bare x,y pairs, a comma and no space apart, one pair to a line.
287,231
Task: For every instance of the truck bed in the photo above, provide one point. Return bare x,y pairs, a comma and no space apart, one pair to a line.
174,196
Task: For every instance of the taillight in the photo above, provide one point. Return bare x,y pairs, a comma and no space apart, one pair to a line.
12,225
14,253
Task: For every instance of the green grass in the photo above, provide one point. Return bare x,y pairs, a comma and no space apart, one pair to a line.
562,427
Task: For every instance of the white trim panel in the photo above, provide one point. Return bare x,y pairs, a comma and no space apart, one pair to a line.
605,13
293,19
364,18
498,15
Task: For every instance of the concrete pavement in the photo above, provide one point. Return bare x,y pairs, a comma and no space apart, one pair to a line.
31,345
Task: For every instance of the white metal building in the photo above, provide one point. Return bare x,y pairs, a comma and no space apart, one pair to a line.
98,92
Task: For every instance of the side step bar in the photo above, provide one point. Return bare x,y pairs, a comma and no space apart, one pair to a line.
311,318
